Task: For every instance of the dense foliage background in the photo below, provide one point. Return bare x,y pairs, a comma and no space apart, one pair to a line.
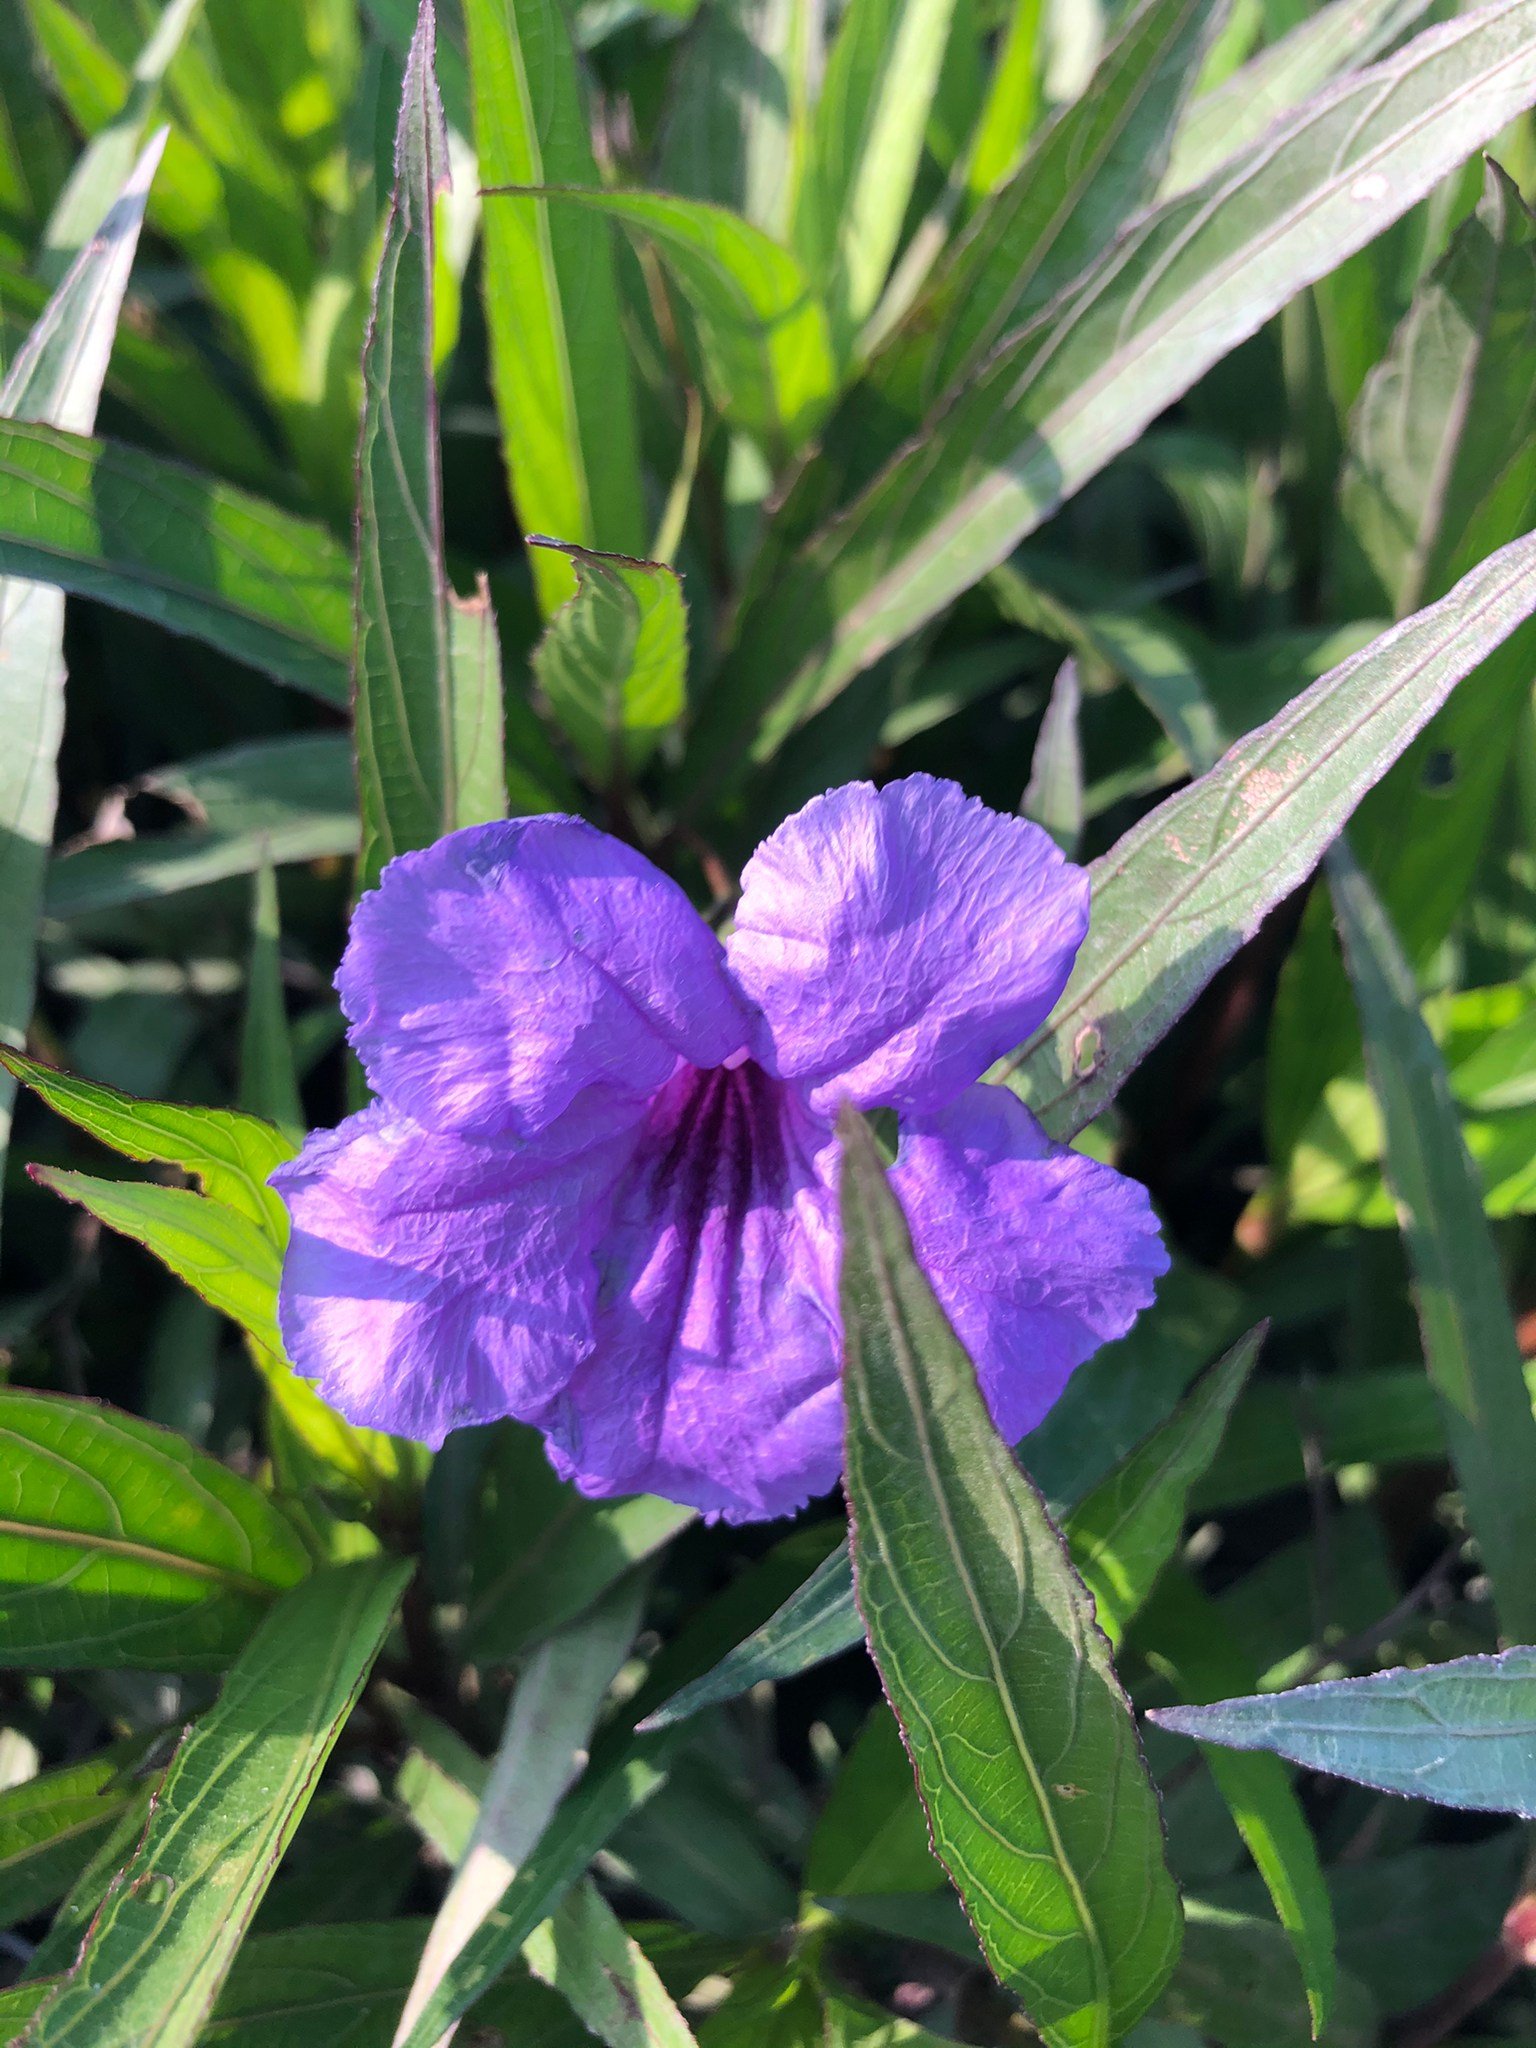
1039,395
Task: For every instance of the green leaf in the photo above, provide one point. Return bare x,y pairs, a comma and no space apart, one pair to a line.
51,1825
1342,36
1283,1433
1462,1734
269,1088
1129,1526
543,1552
191,553
613,663
1053,796
558,361
122,1546
625,1773
107,162
1177,896
819,1620
1232,1986
872,1835
763,329
220,1254
56,377
230,1153
289,799
583,1952
543,1748
1440,470
738,127
1025,1751
233,1794
866,143
407,712
1185,1638
1061,397
1470,1346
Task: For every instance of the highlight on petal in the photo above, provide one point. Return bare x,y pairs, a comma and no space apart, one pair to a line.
1038,1254
713,1377
899,940
492,978
430,1282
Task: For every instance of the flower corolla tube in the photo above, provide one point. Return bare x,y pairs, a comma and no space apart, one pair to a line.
597,1190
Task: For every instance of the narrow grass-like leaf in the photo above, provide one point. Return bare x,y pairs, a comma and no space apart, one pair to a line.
107,161
191,553
1470,1346
543,1748
56,377
866,144
1177,896
762,326
1053,796
269,1088
159,1948
121,1545
1341,36
1024,1747
1185,1640
230,1152
1463,1733
1057,400
613,663
819,1620
1128,1528
407,719
622,1776
558,358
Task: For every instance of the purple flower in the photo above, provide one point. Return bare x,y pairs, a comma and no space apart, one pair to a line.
598,1188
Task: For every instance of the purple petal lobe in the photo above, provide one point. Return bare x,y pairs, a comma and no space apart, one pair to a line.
899,940
714,1374
495,976
431,1282
1037,1254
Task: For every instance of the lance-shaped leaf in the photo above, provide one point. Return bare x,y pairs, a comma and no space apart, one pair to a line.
762,327
624,1773
407,715
1177,896
1342,36
613,663
1440,470
866,144
1462,1734
1470,1347
191,553
230,1153
57,377
1053,796
1059,399
121,1545
1023,1744
167,1931
1128,1528
558,359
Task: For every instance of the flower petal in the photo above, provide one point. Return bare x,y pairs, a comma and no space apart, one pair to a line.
493,977
714,1375
430,1282
1038,1254
899,940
